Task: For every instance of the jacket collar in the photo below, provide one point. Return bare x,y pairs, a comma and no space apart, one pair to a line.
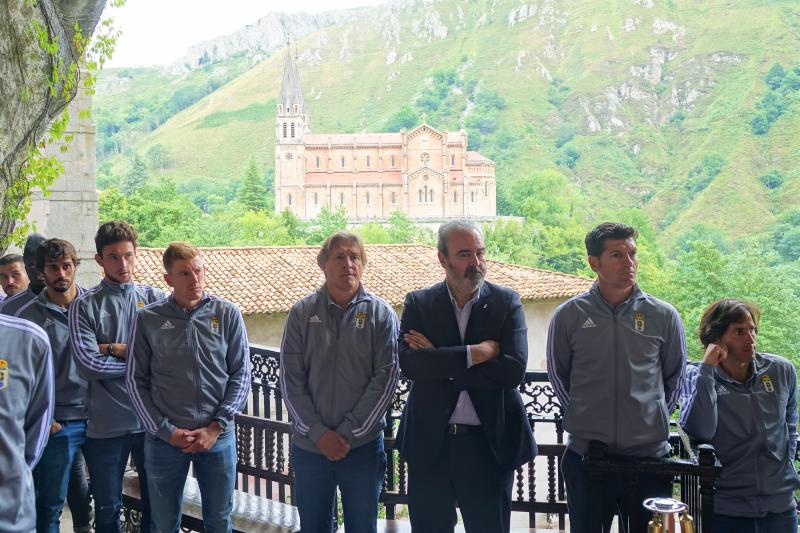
118,288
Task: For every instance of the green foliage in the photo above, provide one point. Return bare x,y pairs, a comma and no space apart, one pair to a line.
329,221
404,118
781,91
772,179
786,238
158,157
568,157
136,177
253,112
252,189
566,132
774,77
701,175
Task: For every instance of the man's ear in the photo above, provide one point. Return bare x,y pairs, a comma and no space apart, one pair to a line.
98,259
594,263
442,259
167,279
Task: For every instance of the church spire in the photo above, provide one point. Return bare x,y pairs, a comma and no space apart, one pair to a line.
291,94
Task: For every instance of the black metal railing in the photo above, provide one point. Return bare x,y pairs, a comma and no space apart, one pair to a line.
538,485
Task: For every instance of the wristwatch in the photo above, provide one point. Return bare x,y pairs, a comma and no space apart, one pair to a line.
110,350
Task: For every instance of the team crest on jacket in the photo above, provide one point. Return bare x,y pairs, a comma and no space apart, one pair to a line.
638,321
361,318
3,374
140,304
215,324
767,384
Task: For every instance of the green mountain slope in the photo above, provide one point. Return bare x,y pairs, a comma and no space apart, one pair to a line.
645,103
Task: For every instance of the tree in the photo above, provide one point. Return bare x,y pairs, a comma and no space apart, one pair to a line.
136,177
45,41
328,222
252,189
158,157
404,118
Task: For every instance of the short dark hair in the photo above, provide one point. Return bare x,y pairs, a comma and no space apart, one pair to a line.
9,259
112,232
596,239
458,225
55,249
31,244
721,314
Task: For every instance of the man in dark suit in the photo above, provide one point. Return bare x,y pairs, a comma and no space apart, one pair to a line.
464,344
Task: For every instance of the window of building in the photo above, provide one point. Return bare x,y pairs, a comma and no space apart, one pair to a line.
419,194
367,161
317,161
455,197
472,196
425,195
342,161
289,199
394,197
391,164
430,198
486,188
367,199
425,158
341,198
316,199
452,160
284,130
292,130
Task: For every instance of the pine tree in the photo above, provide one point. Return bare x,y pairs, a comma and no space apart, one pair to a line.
136,178
252,189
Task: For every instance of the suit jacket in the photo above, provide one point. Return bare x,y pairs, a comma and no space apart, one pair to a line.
439,374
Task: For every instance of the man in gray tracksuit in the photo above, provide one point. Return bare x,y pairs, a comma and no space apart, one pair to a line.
744,403
100,321
57,261
188,376
615,358
26,409
338,374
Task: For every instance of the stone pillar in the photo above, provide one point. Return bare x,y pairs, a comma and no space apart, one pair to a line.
70,211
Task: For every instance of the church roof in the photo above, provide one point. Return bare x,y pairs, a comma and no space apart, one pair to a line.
475,157
291,90
271,279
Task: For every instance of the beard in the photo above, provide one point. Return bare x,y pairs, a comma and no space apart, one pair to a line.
474,274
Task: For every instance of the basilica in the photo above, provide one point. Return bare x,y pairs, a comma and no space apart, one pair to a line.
425,173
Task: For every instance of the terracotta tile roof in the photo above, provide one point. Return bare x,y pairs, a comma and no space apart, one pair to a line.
270,279
475,157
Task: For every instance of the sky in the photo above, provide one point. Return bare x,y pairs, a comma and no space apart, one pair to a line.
157,32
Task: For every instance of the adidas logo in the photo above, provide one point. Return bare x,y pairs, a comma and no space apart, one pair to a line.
48,322
104,314
721,391
314,320
589,323
167,325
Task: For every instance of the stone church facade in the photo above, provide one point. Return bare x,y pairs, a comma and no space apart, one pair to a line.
424,173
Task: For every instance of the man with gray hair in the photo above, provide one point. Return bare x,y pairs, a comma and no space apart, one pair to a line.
338,375
464,430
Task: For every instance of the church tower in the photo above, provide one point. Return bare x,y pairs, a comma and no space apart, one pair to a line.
291,123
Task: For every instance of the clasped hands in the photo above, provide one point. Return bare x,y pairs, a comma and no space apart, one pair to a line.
196,440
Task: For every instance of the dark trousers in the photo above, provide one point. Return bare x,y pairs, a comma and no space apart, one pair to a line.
617,496
466,473
107,459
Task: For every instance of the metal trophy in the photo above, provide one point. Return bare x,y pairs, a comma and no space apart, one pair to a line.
661,506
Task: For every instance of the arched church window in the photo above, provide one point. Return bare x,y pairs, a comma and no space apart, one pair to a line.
455,197
284,130
317,161
486,188
394,197
342,161
419,193
392,162
425,158
341,198
367,158
452,160
289,199
367,198
292,130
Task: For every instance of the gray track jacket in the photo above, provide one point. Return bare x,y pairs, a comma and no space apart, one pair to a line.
26,410
753,427
339,367
70,387
616,371
188,368
10,306
105,314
